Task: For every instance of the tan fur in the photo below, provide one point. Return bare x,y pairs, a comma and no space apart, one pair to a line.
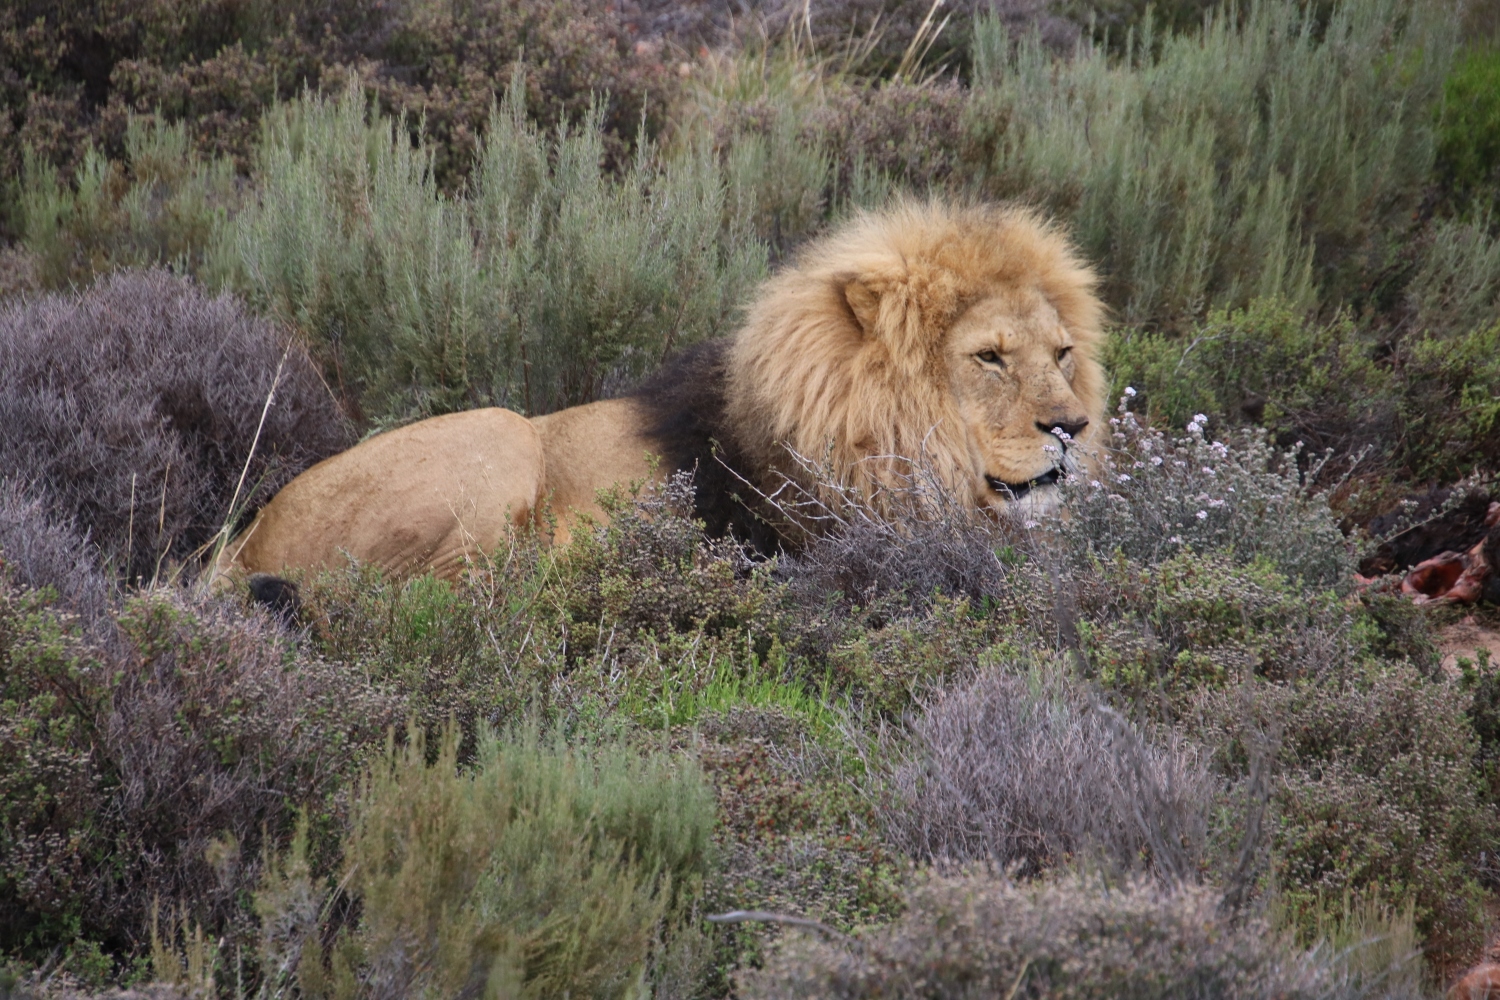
589,448
955,336
851,354
419,498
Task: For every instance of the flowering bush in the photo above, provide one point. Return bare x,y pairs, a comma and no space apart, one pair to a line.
1156,496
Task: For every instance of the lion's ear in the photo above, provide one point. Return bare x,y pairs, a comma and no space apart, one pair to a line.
863,302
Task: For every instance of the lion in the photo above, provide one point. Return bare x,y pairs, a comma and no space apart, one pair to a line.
964,337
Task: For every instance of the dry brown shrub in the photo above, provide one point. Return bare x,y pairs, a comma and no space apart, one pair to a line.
980,936
153,768
1016,769
134,406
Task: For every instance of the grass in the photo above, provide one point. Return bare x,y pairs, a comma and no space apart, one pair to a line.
763,685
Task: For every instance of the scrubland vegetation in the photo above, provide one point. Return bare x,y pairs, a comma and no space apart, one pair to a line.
1163,748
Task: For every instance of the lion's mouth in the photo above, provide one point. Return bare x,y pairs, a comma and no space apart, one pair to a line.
1015,491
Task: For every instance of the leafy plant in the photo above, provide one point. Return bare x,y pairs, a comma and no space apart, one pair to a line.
1468,144
546,871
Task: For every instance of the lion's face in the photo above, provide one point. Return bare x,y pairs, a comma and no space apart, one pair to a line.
1012,372
963,338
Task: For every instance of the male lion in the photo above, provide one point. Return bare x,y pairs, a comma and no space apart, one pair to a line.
962,337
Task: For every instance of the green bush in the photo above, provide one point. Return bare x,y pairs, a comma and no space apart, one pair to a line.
651,570
1376,792
547,871
1264,155
1420,406
1468,140
1267,364
1450,408
1194,622
547,285
453,654
1457,287
161,205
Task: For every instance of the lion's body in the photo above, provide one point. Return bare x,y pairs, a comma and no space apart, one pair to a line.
589,448
965,339
420,498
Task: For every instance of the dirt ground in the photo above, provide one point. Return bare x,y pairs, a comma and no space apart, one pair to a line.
1468,638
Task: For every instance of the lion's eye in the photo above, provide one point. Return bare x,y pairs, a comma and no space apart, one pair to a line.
990,358
1062,355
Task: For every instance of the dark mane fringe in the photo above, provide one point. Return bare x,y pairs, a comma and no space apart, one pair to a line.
684,402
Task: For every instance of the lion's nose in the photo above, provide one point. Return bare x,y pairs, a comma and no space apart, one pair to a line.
1072,426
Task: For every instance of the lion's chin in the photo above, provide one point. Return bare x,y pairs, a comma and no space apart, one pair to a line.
1036,497
1020,491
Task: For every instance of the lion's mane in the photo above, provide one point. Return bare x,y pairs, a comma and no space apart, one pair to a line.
860,395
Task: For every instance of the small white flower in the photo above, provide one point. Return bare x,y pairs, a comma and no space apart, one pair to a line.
1137,465
1199,418
1155,459
1216,503
1122,478
1207,471
1202,515
1129,390
1061,434
1095,484
1229,488
1028,525
1175,540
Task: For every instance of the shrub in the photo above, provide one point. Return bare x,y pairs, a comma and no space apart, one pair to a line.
1019,770
1159,495
922,540
1376,792
650,569
152,769
1199,621
1412,405
1450,410
605,278
550,284
136,407
1468,139
1215,166
976,935
161,205
1456,289
891,651
547,871
464,655
73,72
908,135
1267,365
37,551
